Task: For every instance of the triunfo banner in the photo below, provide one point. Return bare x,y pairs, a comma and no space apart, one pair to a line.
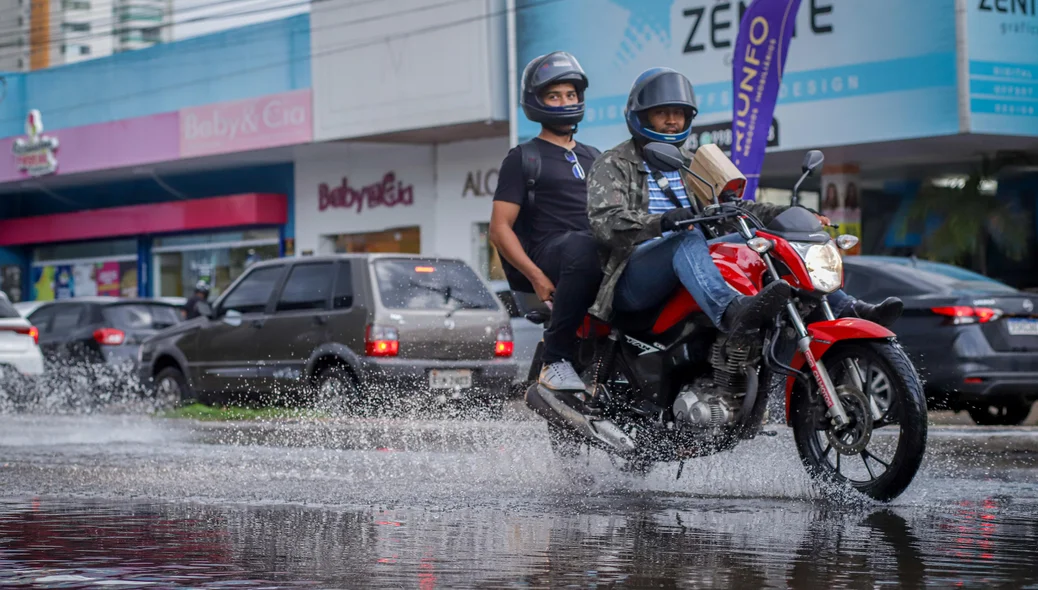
760,58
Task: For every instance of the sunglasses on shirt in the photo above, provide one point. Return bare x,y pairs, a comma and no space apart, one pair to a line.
578,171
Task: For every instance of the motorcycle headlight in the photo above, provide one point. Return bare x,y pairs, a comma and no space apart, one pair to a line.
824,264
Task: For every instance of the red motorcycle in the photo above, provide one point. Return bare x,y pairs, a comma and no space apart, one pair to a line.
670,388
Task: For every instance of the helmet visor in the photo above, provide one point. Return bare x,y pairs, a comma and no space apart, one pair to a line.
667,89
557,68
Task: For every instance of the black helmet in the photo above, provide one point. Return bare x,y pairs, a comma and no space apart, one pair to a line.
657,87
553,68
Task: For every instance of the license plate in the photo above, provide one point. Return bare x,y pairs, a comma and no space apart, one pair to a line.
1022,327
457,379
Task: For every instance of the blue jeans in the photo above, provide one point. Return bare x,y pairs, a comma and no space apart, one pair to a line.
657,267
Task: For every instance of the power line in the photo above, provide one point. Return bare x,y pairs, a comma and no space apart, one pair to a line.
310,55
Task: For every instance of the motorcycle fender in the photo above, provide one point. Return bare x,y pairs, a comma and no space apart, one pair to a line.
825,334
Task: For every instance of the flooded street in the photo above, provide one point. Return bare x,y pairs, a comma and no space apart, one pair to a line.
126,501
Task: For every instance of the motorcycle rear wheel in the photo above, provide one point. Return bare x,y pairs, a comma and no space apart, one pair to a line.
889,377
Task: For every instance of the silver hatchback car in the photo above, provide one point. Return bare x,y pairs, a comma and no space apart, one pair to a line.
349,327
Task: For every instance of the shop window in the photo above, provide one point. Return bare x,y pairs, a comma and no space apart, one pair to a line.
487,258
253,293
11,282
84,278
401,240
253,235
178,270
343,286
307,287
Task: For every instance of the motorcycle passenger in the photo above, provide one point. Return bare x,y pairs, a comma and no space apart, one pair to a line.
554,250
201,294
632,214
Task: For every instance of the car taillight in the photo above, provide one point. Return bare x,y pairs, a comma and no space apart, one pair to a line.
381,341
504,346
963,314
29,331
109,336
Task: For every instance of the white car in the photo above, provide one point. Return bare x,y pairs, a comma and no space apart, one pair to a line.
19,341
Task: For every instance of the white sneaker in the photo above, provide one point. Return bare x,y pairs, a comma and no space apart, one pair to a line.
561,376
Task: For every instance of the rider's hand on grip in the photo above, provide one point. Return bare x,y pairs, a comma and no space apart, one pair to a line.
676,219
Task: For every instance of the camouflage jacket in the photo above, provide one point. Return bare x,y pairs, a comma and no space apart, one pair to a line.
618,207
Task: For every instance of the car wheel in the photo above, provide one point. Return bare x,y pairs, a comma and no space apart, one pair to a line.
171,387
1004,413
336,390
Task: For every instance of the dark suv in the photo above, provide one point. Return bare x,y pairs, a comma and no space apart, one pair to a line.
346,328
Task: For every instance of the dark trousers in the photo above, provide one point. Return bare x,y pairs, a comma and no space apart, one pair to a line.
570,261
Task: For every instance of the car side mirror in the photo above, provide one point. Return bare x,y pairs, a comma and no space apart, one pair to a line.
232,318
812,160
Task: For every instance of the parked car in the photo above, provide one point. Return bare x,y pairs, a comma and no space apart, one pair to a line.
19,345
527,335
99,330
344,328
974,340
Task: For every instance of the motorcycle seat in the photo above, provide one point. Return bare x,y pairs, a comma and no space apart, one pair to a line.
636,321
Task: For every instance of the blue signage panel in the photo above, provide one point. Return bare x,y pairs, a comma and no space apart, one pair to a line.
1002,37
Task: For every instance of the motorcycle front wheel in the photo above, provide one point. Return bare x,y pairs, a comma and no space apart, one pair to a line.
878,458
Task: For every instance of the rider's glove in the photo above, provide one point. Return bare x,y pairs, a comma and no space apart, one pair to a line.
676,219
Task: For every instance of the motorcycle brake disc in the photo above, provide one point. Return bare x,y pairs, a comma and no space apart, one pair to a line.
855,436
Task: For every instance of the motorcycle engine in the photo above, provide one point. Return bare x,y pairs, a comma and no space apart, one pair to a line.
699,408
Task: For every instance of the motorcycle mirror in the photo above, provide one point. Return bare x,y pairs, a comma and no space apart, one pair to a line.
812,160
663,156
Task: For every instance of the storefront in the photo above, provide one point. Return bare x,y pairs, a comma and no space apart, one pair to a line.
148,250
430,200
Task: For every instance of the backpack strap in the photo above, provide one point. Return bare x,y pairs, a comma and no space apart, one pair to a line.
664,184
531,157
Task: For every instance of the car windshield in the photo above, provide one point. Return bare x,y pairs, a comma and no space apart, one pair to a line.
431,284
141,316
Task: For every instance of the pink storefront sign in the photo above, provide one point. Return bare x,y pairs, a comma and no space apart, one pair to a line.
117,144
252,124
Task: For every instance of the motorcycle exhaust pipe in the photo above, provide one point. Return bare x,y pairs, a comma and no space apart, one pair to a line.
552,409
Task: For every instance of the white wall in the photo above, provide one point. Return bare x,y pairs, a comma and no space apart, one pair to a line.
459,207
362,165
380,67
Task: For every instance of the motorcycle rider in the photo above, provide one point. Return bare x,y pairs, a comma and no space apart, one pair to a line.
201,294
632,214
552,246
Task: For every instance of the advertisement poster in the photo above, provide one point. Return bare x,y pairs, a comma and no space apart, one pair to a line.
1002,40
83,277
128,278
64,285
42,283
841,202
844,82
108,279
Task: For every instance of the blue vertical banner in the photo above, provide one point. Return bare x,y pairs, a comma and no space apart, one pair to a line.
757,66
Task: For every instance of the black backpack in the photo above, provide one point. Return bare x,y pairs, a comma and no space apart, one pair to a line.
531,157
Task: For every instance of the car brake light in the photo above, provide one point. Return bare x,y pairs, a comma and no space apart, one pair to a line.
963,314
29,331
109,336
381,341
504,346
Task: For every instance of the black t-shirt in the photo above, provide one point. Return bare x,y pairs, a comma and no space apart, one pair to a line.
560,194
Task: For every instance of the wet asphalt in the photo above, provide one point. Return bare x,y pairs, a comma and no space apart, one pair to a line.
132,500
